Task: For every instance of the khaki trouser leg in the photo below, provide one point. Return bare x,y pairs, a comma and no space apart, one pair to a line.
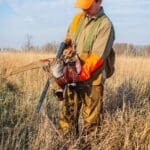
91,108
70,112
91,100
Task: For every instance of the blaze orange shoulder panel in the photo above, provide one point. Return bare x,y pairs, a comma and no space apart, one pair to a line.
75,22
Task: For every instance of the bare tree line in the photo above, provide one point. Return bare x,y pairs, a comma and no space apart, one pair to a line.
51,47
130,49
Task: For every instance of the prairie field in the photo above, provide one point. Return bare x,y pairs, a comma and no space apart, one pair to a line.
126,111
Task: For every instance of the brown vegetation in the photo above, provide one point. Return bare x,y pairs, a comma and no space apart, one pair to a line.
126,123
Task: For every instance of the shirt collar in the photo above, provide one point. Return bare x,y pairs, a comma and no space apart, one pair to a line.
99,14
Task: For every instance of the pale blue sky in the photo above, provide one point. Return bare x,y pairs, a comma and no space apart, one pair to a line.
47,20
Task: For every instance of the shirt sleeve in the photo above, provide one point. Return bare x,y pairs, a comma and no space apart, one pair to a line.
104,40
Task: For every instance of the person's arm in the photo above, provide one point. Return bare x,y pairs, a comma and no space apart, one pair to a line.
101,48
104,41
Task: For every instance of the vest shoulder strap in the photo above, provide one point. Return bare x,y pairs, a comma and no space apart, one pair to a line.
90,37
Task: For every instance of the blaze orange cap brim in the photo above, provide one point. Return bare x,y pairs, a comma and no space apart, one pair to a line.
83,4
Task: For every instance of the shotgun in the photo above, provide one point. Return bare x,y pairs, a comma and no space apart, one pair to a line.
59,52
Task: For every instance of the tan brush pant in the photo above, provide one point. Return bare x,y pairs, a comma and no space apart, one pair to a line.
90,98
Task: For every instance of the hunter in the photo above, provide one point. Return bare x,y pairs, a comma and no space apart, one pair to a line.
87,62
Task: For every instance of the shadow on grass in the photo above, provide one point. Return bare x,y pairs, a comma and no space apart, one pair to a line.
17,128
129,93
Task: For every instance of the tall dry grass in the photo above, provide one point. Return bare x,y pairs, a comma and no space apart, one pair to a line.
126,122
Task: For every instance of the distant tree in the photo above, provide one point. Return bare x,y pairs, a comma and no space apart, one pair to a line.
50,47
28,45
132,50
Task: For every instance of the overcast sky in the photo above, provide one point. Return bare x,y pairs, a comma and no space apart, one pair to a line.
47,20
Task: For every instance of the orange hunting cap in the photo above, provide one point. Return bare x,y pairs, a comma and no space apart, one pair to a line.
83,4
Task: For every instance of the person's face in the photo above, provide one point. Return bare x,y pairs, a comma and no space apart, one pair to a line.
93,9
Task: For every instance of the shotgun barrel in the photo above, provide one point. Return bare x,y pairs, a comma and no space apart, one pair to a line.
63,45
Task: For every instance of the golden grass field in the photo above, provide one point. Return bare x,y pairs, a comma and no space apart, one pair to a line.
126,123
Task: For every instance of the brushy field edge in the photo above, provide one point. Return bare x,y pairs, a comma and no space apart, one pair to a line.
126,123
